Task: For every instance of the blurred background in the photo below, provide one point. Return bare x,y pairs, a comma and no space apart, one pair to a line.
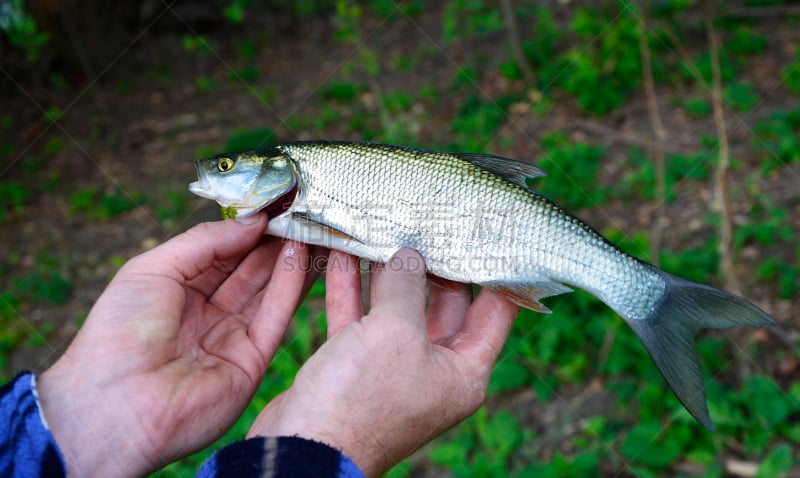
672,126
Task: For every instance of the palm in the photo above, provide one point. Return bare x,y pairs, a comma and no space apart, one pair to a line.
180,339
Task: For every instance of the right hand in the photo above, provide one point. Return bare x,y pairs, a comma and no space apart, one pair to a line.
388,382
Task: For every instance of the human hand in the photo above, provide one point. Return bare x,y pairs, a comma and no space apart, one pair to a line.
174,349
386,383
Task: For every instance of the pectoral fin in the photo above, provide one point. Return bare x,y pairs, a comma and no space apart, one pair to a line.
302,228
528,294
322,229
446,284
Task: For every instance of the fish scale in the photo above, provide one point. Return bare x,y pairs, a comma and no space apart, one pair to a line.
476,201
473,218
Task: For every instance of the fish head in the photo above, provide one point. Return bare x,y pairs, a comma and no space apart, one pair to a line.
246,182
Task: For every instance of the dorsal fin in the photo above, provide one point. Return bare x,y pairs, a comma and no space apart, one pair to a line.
509,169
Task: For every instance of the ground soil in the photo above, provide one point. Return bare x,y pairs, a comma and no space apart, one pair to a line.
138,128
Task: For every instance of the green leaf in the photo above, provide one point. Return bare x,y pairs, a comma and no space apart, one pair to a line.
235,12
449,454
648,444
400,470
763,397
741,96
507,375
500,435
243,140
746,41
777,463
791,75
340,91
697,107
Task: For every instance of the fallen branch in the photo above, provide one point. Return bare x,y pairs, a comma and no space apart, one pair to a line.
776,11
516,45
659,136
616,136
722,200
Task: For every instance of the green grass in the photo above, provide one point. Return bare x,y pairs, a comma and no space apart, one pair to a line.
102,206
641,429
477,122
44,282
243,140
343,91
13,196
588,58
777,140
638,179
572,172
605,67
171,207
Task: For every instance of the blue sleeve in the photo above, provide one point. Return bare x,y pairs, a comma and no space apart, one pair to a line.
279,457
27,448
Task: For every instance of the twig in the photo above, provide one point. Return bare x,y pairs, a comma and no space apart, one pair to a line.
605,349
744,469
722,199
683,54
660,137
721,182
614,135
383,113
776,11
516,45
786,337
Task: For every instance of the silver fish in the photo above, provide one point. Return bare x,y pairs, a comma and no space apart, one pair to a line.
474,219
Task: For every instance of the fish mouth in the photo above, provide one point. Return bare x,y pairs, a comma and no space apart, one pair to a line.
278,206
201,187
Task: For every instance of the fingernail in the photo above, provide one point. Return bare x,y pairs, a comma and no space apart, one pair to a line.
407,259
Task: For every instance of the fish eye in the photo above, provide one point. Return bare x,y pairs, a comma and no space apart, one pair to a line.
224,164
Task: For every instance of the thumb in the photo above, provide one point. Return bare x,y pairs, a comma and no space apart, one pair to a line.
400,285
189,254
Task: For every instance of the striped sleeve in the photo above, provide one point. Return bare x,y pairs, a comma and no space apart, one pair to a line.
278,457
27,448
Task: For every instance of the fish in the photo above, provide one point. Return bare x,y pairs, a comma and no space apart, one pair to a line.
474,219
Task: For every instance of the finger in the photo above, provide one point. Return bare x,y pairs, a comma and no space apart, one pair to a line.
448,303
248,278
282,295
485,329
399,286
343,303
188,255
315,254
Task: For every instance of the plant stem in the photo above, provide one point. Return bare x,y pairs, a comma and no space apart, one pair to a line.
660,138
516,45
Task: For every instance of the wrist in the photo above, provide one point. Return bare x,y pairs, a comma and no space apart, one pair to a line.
28,445
288,417
92,438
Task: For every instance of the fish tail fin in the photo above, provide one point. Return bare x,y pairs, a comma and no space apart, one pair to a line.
668,334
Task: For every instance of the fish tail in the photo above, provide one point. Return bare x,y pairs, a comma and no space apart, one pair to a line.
668,334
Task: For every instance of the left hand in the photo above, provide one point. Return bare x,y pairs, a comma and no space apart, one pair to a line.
174,348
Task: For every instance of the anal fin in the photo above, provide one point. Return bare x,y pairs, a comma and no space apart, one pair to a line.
528,294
